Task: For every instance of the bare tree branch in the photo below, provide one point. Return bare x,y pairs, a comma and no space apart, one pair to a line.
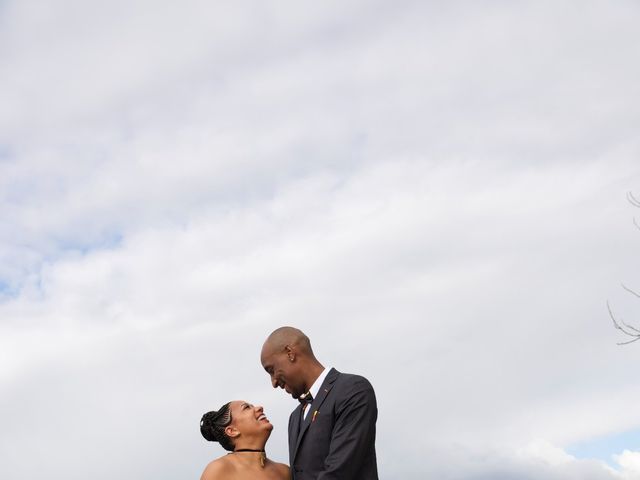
633,200
630,291
620,324
625,328
630,341
630,327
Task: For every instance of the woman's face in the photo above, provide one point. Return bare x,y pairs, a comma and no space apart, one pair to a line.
249,419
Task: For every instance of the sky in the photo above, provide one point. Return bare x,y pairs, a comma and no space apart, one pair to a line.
435,192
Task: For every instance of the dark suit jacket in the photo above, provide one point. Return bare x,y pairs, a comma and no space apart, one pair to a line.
336,440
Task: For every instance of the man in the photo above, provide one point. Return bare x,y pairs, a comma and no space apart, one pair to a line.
332,431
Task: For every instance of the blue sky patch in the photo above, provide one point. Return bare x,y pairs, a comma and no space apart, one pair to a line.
7,291
603,448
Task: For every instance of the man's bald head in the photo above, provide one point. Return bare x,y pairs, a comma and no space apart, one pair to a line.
289,360
291,337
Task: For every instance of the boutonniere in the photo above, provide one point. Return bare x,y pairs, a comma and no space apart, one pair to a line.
313,419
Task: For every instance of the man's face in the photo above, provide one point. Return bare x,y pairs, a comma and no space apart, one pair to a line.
282,370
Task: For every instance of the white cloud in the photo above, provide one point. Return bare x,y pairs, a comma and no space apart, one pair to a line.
435,194
630,462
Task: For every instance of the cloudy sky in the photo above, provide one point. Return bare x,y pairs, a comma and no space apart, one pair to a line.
435,192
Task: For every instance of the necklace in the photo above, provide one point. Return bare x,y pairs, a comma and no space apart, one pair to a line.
263,457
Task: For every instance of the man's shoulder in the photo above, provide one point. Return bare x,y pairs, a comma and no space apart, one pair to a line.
352,381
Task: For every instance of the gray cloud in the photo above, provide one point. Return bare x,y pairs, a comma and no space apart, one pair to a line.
434,193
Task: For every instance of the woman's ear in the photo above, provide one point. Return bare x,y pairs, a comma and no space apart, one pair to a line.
231,432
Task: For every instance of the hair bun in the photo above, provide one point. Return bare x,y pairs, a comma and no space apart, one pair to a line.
212,426
207,428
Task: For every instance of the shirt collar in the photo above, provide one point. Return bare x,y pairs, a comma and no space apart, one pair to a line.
318,383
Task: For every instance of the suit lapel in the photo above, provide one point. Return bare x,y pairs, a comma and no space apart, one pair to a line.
294,432
325,388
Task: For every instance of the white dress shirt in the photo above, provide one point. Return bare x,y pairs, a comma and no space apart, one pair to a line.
315,388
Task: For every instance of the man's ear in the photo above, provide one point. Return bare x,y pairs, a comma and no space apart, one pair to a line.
231,432
291,353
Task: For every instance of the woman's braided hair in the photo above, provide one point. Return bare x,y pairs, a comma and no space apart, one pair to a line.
213,424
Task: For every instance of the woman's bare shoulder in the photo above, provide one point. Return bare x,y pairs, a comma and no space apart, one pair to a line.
283,470
217,469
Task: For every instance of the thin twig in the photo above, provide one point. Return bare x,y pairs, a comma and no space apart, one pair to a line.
634,331
620,324
631,327
630,341
630,291
615,322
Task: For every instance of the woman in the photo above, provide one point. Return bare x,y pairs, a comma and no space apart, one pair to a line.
243,430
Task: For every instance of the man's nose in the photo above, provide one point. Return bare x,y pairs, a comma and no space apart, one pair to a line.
274,382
